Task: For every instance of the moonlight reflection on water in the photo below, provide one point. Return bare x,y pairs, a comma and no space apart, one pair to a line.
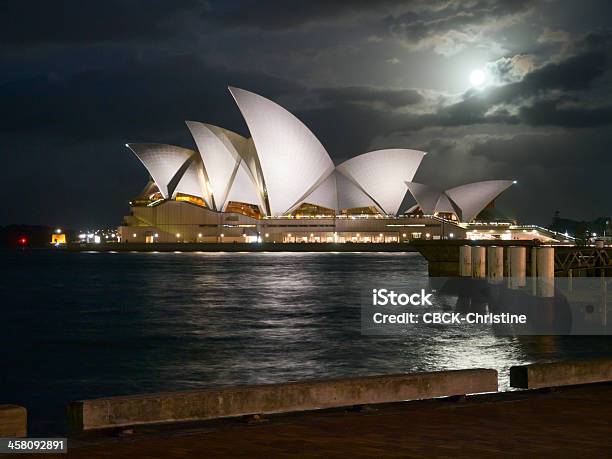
83,325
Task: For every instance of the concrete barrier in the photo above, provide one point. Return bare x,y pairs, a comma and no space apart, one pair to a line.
13,421
275,398
540,375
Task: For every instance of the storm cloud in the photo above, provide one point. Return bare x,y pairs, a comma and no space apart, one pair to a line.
79,80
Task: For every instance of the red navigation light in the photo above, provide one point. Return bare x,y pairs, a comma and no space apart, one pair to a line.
23,240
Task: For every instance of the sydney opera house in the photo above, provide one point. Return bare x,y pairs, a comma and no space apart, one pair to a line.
281,185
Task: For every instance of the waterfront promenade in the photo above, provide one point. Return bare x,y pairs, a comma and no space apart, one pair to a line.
240,247
567,422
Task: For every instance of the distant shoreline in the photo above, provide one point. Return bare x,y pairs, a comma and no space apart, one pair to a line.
241,247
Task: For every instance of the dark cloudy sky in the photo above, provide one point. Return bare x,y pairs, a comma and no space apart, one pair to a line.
79,79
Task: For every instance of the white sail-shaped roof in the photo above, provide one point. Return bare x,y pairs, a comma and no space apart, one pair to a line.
324,195
251,161
426,196
219,149
149,190
382,175
350,196
242,189
446,205
474,197
193,181
466,201
163,162
292,159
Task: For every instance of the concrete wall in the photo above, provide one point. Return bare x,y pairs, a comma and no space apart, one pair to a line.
13,421
554,374
275,398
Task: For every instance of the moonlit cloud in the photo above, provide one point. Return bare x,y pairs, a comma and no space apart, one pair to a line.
511,69
450,27
78,82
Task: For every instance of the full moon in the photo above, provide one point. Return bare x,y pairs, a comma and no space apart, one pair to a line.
477,78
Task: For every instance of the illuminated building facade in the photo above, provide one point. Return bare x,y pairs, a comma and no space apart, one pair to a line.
281,185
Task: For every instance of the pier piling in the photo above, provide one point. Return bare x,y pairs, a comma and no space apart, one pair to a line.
517,267
465,261
478,262
545,266
495,264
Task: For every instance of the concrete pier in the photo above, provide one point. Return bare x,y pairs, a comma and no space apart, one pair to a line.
13,421
490,422
555,374
443,257
518,423
275,398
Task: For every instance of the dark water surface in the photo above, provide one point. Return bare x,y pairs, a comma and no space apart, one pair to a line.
83,325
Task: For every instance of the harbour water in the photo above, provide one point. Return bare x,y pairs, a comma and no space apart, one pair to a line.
84,325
